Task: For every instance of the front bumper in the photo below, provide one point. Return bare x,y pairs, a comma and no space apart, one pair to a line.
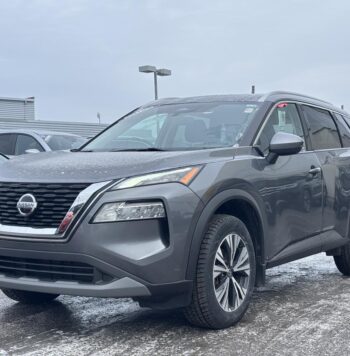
145,259
124,287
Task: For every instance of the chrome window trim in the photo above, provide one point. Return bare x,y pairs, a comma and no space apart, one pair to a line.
23,233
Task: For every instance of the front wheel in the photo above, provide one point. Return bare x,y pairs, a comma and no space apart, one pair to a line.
27,297
225,275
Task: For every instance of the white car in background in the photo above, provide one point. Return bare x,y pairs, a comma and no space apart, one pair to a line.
18,142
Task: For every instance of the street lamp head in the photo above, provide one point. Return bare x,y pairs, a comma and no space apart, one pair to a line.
147,69
163,72
156,72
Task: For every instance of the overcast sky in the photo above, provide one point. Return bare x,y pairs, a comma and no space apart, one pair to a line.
81,57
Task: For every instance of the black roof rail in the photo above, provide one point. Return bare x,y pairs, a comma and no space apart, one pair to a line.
282,92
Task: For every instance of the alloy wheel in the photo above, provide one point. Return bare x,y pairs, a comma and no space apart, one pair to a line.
231,272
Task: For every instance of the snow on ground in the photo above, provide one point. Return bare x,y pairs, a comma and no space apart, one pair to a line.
305,309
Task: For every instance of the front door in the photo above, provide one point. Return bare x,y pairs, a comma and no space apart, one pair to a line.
291,188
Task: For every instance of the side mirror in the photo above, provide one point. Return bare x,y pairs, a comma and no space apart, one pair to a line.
32,150
284,144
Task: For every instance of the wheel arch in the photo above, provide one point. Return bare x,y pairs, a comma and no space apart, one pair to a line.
244,206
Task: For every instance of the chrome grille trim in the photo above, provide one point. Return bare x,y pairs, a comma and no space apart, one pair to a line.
23,232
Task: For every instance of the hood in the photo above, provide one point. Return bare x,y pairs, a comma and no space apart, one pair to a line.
92,167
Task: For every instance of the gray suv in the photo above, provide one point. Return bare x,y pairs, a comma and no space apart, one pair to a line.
182,203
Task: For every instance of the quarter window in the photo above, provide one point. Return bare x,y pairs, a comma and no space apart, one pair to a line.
323,131
284,118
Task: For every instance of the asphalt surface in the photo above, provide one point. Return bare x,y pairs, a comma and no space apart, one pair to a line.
305,310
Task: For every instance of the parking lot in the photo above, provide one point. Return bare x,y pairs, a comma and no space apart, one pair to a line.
305,309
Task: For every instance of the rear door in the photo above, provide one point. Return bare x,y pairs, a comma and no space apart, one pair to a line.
329,139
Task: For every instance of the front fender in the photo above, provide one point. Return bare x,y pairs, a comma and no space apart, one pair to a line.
206,215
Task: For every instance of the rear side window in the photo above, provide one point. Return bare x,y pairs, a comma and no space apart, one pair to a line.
344,130
347,120
323,131
284,118
7,144
26,142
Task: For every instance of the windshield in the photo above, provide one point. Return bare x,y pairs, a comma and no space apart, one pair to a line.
178,127
64,142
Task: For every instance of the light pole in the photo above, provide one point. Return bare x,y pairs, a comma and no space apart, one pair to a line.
156,72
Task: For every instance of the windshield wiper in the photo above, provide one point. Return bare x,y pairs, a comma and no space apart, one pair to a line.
148,149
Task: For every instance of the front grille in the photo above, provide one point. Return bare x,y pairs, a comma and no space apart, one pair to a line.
52,271
54,200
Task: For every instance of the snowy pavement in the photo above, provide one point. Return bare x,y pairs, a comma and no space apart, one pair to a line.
304,311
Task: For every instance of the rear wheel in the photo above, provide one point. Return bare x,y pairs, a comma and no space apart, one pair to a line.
225,275
26,297
342,260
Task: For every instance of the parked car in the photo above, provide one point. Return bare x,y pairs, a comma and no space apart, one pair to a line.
18,142
183,203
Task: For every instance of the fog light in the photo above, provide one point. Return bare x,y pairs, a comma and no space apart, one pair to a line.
129,211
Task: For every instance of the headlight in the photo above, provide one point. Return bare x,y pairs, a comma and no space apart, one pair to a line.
123,211
181,175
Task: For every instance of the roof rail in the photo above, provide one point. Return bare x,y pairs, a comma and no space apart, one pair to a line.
153,102
281,92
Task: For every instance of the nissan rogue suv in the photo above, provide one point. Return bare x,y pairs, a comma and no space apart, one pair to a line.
182,203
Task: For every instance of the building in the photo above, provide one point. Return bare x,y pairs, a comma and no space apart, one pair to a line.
18,113
17,109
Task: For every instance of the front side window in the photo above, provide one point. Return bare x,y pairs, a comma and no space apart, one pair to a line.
26,142
284,118
323,131
187,126
7,144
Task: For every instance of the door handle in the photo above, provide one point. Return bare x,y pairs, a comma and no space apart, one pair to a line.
315,170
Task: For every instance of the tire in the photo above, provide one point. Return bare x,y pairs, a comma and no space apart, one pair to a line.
26,297
342,261
209,307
